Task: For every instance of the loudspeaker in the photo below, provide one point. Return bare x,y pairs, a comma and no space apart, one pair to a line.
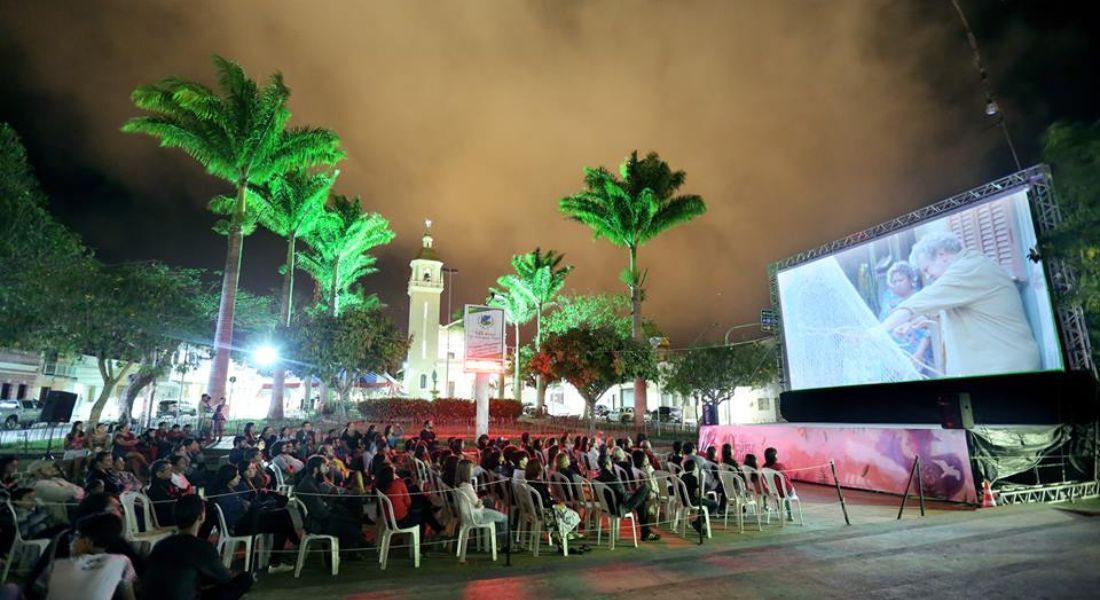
58,407
955,410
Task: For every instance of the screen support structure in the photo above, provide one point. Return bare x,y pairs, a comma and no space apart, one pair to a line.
1071,318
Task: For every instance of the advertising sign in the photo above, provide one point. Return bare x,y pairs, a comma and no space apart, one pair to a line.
484,334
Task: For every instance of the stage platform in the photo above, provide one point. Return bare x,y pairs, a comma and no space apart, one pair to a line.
868,457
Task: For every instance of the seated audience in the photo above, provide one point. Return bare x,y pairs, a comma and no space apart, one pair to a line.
623,501
101,476
408,510
92,571
163,492
481,514
54,490
246,517
323,514
690,477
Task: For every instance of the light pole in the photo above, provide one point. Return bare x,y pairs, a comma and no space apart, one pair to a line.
447,366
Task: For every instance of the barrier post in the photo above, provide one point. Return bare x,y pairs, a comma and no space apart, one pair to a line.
908,484
836,482
920,488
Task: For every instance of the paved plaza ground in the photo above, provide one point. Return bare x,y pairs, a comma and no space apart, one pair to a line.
1035,551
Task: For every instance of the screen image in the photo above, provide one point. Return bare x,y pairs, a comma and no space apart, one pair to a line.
953,296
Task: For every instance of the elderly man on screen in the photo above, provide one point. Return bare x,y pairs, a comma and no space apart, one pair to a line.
981,315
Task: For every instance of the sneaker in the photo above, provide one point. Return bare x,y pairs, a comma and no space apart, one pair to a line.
280,568
652,537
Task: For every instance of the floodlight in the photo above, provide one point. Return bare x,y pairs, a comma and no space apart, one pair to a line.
266,355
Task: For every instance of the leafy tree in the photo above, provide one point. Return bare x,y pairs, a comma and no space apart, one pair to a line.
612,310
538,277
241,136
293,207
39,257
592,359
628,211
337,257
1073,151
517,311
343,348
713,374
127,314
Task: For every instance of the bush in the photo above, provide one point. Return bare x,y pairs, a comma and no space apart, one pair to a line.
441,409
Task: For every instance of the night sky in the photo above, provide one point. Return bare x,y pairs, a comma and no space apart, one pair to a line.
798,121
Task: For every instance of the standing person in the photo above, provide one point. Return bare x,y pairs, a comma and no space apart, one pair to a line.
219,420
183,566
76,451
91,572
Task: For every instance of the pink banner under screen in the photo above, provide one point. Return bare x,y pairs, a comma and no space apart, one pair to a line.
867,457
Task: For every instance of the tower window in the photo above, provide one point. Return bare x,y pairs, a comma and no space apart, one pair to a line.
423,381
427,276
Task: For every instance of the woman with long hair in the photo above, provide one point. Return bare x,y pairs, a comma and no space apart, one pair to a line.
76,451
480,512
324,515
410,507
727,456
246,517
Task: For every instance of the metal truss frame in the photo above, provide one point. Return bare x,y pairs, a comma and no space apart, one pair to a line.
1057,492
1047,216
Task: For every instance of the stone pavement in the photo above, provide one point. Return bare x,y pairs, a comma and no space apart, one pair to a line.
1023,551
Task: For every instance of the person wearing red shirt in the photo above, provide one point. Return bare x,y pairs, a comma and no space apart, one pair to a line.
409,509
771,461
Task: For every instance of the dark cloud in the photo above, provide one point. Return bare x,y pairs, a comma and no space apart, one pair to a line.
798,121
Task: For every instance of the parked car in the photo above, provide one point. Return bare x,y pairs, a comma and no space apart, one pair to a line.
601,411
668,414
167,408
624,414
19,413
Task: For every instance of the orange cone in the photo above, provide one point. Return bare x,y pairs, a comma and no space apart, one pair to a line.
988,501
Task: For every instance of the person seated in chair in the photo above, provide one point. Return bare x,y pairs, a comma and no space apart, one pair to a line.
771,461
410,507
245,517
324,515
92,571
691,480
625,502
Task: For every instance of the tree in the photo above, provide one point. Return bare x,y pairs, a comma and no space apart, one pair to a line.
538,278
628,211
337,257
240,136
1073,151
343,348
517,311
293,207
592,359
713,374
38,255
612,310
127,314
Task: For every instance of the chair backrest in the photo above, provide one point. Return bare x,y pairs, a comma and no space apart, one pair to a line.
127,500
389,519
528,500
774,482
560,487
674,468
682,495
465,507
622,475
279,480
605,497
725,467
752,478
223,529
664,485
15,523
422,470
732,484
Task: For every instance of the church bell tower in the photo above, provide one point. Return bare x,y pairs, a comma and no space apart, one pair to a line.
425,288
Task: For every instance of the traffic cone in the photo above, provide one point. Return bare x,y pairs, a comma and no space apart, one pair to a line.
988,501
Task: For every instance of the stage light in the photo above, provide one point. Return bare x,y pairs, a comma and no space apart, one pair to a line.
991,108
266,355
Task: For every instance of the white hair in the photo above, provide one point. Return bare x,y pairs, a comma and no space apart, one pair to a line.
905,269
931,244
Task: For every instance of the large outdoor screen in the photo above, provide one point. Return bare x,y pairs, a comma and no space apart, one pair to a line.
953,296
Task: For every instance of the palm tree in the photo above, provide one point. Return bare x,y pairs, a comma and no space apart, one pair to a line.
517,311
539,277
241,136
293,207
337,255
628,211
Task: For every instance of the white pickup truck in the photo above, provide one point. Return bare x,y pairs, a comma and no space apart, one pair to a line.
19,413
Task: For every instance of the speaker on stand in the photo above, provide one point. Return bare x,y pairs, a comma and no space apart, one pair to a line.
58,408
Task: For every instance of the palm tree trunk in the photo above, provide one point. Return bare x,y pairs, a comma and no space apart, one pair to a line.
540,383
278,380
640,399
307,399
517,385
223,335
334,293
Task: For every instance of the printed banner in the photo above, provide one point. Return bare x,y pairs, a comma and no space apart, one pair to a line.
867,457
484,334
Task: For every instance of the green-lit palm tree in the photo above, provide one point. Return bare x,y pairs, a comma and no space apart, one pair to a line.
539,277
239,134
628,211
337,256
292,207
517,311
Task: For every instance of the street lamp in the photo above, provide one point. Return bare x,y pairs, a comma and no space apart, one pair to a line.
265,355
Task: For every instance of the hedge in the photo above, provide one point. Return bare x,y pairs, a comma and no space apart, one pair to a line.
440,409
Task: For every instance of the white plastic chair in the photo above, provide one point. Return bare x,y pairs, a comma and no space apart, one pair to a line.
390,529
531,511
20,546
756,489
132,531
686,509
614,518
737,499
673,468
281,486
775,485
303,547
666,495
467,523
422,476
227,542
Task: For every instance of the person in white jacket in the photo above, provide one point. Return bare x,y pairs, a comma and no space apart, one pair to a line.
481,513
53,490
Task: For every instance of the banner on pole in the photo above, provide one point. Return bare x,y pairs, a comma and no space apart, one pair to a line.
484,335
